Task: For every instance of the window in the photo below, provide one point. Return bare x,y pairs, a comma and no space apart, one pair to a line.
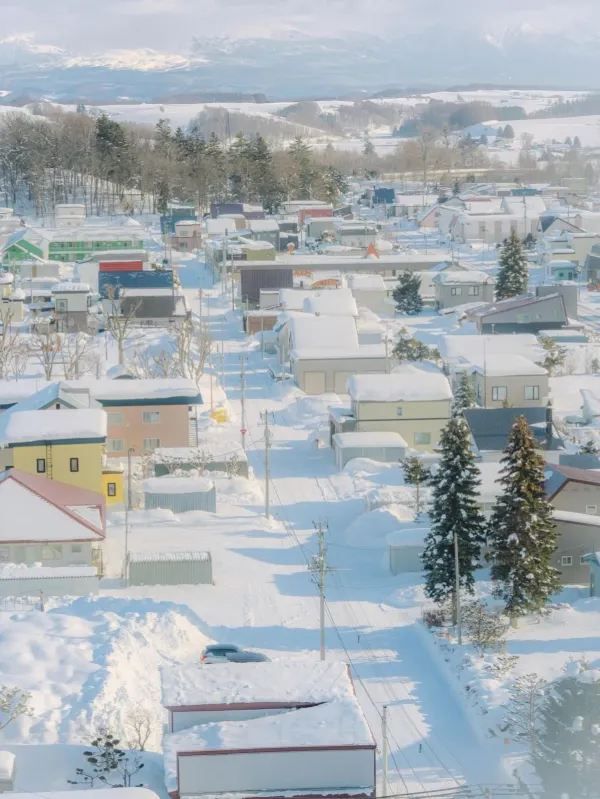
76,549
455,291
591,509
399,411
73,464
532,392
4,554
473,291
151,444
111,489
52,552
115,418
151,417
499,394
566,560
116,445
40,465
582,560
422,438
61,306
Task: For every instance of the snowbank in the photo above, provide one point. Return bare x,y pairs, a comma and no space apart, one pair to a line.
370,530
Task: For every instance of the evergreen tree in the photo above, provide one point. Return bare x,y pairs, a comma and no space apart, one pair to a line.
590,447
406,294
408,348
332,184
454,512
567,755
555,356
508,132
303,172
464,395
522,535
512,276
416,473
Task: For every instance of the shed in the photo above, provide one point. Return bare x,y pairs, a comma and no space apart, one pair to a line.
405,548
180,494
170,568
7,771
385,447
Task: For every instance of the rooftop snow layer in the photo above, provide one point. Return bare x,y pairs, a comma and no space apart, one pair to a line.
407,383
467,276
361,282
22,427
338,723
290,681
322,333
65,287
333,302
149,388
473,348
509,365
171,484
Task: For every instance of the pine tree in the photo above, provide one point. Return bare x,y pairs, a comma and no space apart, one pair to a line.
522,535
464,395
454,511
567,757
406,294
512,276
590,447
408,348
416,473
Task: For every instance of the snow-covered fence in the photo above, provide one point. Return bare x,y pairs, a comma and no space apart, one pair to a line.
37,586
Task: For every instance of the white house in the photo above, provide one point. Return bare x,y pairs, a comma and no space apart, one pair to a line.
370,291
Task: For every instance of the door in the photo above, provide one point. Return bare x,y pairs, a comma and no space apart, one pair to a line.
314,382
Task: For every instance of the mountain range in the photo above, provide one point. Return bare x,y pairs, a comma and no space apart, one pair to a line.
296,66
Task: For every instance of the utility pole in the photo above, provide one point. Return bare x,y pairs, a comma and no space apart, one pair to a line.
128,508
384,752
265,418
243,430
319,568
457,590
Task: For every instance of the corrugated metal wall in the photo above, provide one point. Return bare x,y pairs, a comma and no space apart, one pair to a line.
182,503
171,572
49,586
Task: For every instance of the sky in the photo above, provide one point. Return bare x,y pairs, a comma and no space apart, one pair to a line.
89,26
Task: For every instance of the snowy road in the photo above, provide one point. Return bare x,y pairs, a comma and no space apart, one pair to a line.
432,741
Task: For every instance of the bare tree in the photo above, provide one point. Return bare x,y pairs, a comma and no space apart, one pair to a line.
13,350
77,355
120,320
522,718
45,346
139,725
194,346
14,703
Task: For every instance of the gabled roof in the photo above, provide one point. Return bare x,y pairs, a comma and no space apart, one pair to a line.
557,476
25,427
39,509
491,427
514,304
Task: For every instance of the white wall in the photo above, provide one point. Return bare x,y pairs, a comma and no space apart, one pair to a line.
274,771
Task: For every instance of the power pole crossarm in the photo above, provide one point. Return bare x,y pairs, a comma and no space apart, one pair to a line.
319,569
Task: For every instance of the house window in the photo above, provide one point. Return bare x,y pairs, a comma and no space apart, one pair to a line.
40,465
582,560
151,417
455,291
116,445
499,394
61,306
532,392
566,560
115,418
473,291
591,509
111,489
151,444
4,554
399,411
422,438
52,552
74,464
76,549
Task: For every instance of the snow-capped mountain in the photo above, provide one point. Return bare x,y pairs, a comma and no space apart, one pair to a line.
292,64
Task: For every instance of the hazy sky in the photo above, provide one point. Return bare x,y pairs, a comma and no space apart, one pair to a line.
86,26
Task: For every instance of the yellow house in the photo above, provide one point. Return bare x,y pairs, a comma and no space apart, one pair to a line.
65,445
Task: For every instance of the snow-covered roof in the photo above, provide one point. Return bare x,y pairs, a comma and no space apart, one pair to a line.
407,383
171,484
338,723
147,388
293,681
332,302
13,391
293,299
220,226
587,519
509,365
71,288
263,225
6,278
473,348
22,427
322,333
52,510
413,535
369,439
590,403
450,276
362,282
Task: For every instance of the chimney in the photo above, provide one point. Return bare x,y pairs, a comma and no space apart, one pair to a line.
549,426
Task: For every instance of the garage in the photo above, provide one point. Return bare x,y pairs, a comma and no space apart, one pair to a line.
314,382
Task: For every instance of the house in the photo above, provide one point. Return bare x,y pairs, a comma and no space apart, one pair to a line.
69,215
557,269
572,489
578,534
265,230
524,314
355,233
187,236
75,244
282,728
331,302
593,561
387,447
592,267
370,291
510,380
23,245
142,415
460,353
72,302
62,525
63,445
454,288
413,400
569,293
150,307
491,427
